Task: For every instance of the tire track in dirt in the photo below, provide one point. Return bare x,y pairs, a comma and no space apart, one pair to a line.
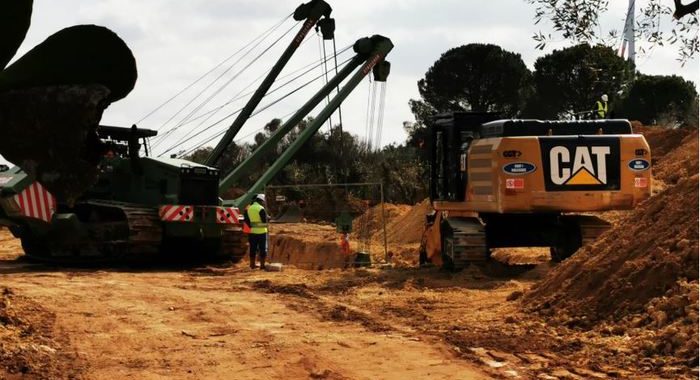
156,325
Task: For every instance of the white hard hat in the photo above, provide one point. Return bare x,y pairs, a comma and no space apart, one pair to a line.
260,197
604,97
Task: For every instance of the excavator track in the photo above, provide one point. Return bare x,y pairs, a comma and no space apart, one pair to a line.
577,231
464,244
234,245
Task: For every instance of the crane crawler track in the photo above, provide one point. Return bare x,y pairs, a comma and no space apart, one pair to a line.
117,232
113,232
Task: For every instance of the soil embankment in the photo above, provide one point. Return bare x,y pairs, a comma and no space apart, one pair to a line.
639,282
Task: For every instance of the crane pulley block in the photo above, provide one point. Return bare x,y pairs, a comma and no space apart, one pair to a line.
381,71
314,9
367,45
327,28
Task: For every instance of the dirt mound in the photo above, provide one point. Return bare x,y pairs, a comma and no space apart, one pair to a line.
408,228
404,223
307,246
28,345
404,230
662,140
639,280
370,223
680,162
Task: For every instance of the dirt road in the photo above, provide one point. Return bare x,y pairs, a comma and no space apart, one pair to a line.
231,322
217,324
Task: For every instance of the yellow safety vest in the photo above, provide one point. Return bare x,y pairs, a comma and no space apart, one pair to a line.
257,227
602,109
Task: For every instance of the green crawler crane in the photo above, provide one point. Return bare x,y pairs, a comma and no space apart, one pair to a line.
144,207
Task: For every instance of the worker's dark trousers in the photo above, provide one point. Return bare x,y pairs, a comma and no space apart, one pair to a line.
258,245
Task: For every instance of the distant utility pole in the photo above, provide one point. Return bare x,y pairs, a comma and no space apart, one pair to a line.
628,35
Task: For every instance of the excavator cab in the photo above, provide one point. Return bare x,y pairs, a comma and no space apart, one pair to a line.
451,135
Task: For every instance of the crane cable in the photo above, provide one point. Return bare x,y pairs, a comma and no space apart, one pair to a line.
221,88
209,114
324,59
308,68
380,115
371,110
218,134
174,146
159,107
340,108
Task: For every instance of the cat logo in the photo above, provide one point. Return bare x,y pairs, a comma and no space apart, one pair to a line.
581,163
581,170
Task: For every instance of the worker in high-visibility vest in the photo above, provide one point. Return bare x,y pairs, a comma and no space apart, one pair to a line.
256,218
601,107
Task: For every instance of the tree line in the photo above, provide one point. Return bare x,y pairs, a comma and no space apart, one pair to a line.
331,157
475,77
565,84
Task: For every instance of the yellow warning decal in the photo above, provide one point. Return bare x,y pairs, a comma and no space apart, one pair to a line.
583,177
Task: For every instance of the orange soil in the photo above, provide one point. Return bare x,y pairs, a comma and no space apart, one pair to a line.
640,280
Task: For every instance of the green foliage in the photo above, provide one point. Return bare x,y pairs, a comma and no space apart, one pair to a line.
661,98
659,24
570,80
332,157
474,77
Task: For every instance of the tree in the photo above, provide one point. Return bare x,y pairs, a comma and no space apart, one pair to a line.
578,20
474,77
659,97
570,80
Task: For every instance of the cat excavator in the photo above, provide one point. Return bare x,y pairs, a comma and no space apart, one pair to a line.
500,183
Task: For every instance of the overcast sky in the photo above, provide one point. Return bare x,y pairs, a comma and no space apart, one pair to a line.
176,41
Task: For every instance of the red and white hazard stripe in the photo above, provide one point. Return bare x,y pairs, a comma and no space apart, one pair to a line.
227,215
36,202
176,213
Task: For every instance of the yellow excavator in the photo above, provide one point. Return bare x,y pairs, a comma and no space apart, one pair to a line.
498,183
